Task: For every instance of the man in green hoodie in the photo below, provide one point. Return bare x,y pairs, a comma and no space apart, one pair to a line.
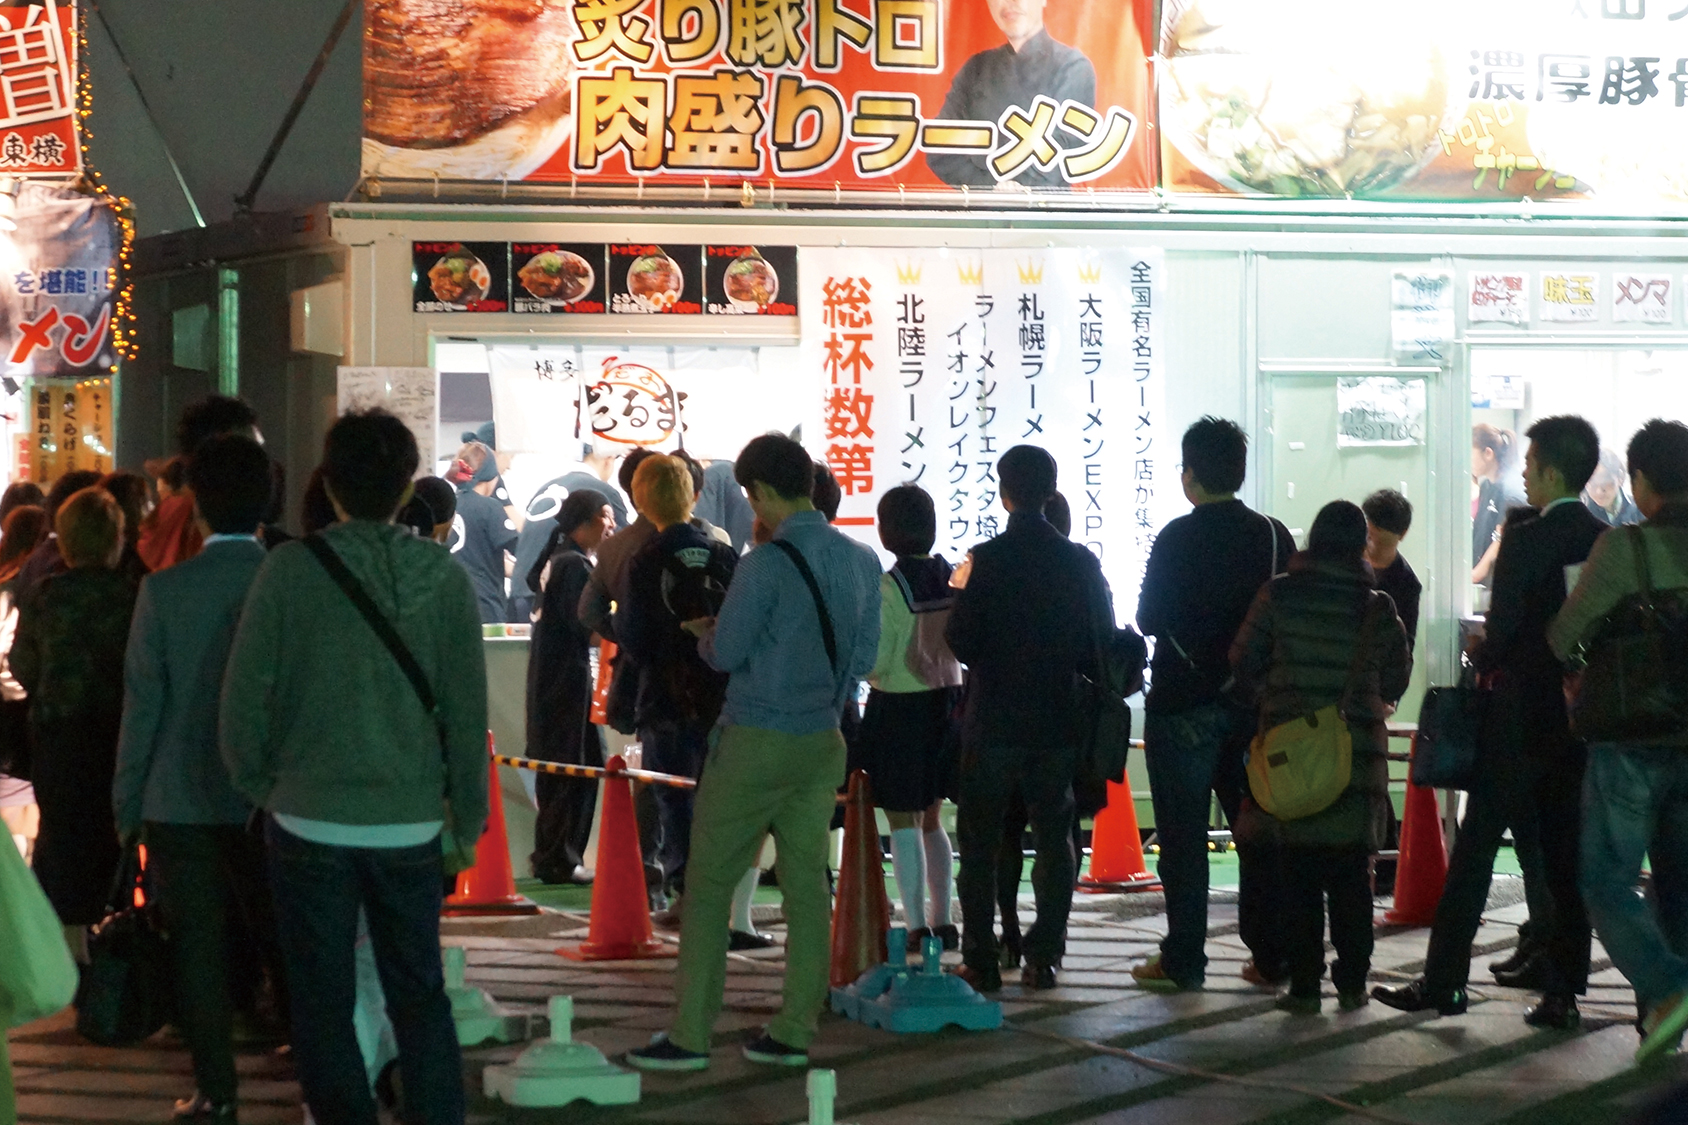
322,728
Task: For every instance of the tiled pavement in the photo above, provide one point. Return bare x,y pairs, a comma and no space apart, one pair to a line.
1095,1050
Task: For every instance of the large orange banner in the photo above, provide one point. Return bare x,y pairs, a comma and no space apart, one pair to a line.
883,94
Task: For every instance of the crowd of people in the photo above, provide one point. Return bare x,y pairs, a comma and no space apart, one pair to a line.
177,672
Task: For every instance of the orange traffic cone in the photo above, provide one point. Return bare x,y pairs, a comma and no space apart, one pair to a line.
1116,847
621,920
1423,865
489,887
862,911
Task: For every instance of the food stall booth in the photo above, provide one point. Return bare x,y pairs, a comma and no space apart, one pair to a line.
1359,232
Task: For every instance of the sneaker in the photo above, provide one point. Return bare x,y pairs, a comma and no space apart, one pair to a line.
771,1052
1152,976
1663,1026
663,1054
1352,1001
1298,1005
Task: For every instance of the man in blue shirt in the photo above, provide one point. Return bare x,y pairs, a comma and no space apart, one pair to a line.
778,757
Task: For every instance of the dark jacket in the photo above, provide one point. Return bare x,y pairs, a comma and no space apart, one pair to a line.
1528,591
1203,572
680,574
168,765
559,684
1298,651
1027,621
69,656
1405,590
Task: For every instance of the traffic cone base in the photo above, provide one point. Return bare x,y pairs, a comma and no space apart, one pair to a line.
1423,866
861,912
489,887
620,929
1116,847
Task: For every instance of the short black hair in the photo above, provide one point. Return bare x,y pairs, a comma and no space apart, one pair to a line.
212,415
434,502
1059,513
66,487
1659,451
1216,454
231,482
1567,443
368,460
1026,475
629,466
778,462
908,520
1338,533
316,510
1389,511
827,494
693,467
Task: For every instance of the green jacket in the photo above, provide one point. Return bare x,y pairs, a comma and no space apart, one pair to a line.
318,721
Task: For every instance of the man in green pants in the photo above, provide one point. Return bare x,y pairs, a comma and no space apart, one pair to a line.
798,629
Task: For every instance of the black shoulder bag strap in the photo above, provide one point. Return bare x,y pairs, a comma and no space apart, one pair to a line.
379,625
802,566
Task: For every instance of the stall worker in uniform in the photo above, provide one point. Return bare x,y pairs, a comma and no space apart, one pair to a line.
482,535
595,471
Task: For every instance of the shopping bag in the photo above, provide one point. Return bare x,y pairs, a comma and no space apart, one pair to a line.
125,995
1445,749
37,975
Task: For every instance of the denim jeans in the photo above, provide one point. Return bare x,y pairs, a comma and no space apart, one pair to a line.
317,890
1183,752
1635,801
680,749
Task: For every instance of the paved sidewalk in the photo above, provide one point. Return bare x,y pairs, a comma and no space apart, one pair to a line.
1097,1049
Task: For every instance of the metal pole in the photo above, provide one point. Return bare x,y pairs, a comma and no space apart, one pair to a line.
228,331
243,201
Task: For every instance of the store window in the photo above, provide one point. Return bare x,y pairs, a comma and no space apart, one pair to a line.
1615,389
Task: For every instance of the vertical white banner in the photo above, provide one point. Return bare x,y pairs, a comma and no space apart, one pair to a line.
935,362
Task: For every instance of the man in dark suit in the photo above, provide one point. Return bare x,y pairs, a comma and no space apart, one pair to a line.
170,779
1531,768
1024,624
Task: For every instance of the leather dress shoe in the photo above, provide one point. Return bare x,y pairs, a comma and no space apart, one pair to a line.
739,941
1519,957
1037,977
1414,996
1533,976
1555,1010
198,1107
981,980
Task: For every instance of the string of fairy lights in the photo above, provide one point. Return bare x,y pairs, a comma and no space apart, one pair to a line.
123,315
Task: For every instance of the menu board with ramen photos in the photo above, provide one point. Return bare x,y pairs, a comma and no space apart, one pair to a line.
750,280
656,279
460,276
552,277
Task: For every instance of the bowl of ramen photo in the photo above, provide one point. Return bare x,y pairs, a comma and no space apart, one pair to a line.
655,282
557,275
751,284
459,277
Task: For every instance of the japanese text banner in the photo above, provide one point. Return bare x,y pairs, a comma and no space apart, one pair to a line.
1437,100
934,363
854,94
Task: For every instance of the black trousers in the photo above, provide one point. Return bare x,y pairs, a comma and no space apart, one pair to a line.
990,777
1502,797
1557,788
564,825
1260,922
1311,874
205,874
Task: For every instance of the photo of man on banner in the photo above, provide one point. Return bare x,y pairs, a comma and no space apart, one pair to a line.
1012,75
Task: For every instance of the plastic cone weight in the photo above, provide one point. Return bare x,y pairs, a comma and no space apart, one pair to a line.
489,887
1423,866
620,929
862,911
1116,847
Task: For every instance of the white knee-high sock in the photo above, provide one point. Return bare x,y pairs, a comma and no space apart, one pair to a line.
940,874
908,862
742,895
22,842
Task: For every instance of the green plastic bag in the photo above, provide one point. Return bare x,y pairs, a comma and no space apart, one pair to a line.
37,974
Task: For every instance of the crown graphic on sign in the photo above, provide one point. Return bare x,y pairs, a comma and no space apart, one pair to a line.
1090,273
970,273
1031,271
908,273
